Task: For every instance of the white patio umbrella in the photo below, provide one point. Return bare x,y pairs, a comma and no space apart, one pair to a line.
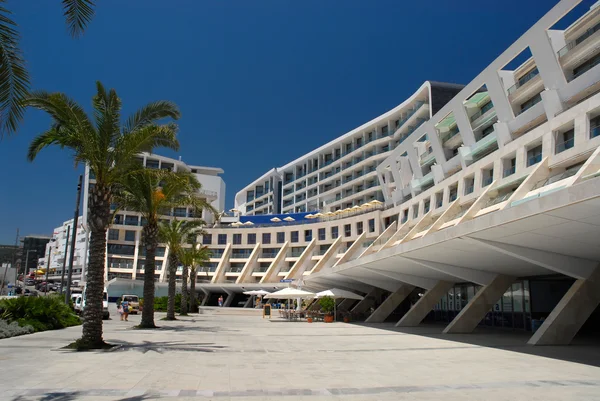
290,293
275,219
310,216
254,293
289,218
336,293
236,224
319,215
375,202
248,223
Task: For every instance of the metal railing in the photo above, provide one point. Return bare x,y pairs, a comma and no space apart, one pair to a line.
534,160
509,171
487,181
574,43
523,80
564,145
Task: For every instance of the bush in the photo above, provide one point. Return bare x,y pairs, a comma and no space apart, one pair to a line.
327,304
13,329
41,313
161,303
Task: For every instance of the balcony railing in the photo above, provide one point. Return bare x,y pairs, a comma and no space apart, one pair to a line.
523,80
508,171
469,189
534,160
594,132
586,68
487,181
564,145
574,43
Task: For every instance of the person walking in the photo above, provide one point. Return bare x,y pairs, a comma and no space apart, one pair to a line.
120,310
125,306
221,301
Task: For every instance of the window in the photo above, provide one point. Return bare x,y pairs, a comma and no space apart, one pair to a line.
307,235
280,238
129,235
359,228
118,219
321,234
206,239
334,232
251,239
404,216
294,236
222,239
179,212
565,141
347,230
595,127
266,238
131,220
415,211
372,225
113,234
237,239
118,249
439,199
426,205
487,131
534,155
510,167
486,107
531,102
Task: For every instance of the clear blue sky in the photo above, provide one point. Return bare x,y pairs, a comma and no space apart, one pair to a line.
259,82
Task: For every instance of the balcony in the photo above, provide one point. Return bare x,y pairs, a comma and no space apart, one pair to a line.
484,145
534,160
564,145
581,49
527,87
452,140
427,158
480,119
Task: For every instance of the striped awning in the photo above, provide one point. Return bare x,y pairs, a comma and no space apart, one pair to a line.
477,99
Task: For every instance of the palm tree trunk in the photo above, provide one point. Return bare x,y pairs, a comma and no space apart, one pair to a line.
184,291
172,286
193,275
98,221
151,241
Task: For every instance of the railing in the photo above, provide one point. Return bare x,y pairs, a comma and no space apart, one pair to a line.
509,171
207,193
523,80
498,199
594,132
269,254
487,181
534,160
450,134
453,197
469,189
586,69
295,253
260,270
574,43
240,254
564,145
235,269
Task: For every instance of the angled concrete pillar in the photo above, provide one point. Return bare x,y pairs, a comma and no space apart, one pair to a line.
470,316
229,299
419,310
248,303
390,304
570,314
367,301
346,304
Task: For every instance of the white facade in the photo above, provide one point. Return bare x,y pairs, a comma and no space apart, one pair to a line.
341,173
58,256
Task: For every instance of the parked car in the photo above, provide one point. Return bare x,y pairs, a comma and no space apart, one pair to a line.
30,293
105,312
77,300
30,282
134,303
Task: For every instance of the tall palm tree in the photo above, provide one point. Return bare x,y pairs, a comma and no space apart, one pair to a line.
14,78
111,151
174,234
201,257
153,193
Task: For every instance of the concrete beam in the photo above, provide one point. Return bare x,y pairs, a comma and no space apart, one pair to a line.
390,304
417,313
571,313
367,301
421,282
229,299
569,265
470,316
346,304
463,273
384,283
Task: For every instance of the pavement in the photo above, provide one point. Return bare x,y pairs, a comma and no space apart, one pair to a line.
234,354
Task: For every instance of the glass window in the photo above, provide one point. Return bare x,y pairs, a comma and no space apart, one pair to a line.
280,238
334,232
251,239
294,236
266,238
206,239
359,228
129,235
131,220
113,234
143,222
237,239
119,249
372,225
222,239
347,230
307,235
321,234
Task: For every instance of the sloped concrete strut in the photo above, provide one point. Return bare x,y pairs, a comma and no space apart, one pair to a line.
470,316
419,310
367,302
570,314
390,304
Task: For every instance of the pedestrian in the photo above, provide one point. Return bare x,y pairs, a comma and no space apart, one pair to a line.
120,310
220,300
125,306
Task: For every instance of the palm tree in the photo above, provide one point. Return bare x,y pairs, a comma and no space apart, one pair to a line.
111,151
153,193
201,259
174,234
14,78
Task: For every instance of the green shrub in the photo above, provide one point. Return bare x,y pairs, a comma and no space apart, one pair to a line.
327,304
41,313
161,303
13,329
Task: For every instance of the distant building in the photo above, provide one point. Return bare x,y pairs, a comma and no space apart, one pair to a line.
36,245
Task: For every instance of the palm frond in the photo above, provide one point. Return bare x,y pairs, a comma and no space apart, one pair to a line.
14,78
151,114
107,112
78,14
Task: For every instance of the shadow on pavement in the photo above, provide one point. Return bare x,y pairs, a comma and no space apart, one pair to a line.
53,396
165,346
585,350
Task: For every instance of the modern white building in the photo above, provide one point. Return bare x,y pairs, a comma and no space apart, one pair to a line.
59,256
341,173
125,253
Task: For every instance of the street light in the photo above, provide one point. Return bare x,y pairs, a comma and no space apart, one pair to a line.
24,267
48,265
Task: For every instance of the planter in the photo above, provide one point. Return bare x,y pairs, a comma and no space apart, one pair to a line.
346,319
309,320
328,319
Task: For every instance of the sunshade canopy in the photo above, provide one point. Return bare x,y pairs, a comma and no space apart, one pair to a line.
336,293
290,293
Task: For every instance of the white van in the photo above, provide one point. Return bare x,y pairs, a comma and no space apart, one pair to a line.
105,313
77,301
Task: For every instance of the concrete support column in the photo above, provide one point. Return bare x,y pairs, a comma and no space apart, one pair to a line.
498,96
390,304
346,304
570,314
482,302
205,299
367,301
229,299
503,135
552,103
419,310
248,303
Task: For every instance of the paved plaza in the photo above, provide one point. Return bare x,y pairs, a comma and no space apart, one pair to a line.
234,354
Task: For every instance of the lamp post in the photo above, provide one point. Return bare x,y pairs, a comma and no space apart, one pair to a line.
64,265
48,265
73,238
25,266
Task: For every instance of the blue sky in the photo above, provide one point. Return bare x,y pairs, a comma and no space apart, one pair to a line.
259,83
